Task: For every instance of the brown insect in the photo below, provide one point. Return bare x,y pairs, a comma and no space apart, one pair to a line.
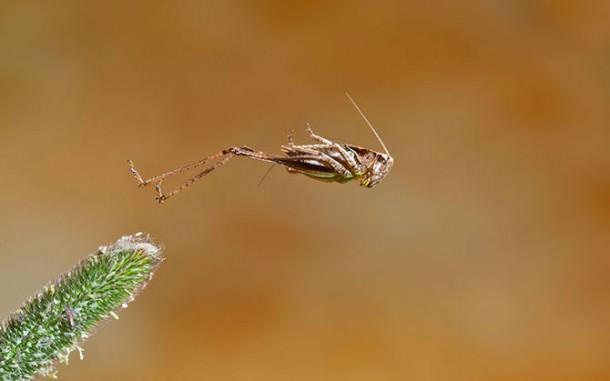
325,160
71,316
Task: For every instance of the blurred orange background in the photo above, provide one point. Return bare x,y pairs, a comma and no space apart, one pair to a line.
482,256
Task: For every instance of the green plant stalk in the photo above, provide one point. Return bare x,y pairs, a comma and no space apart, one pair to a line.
53,323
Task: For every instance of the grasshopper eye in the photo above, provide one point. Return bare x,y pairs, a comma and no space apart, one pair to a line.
383,159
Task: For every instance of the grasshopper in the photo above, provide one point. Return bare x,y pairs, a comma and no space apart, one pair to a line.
325,160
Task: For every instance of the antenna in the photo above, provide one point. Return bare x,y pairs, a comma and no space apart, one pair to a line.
367,122
265,175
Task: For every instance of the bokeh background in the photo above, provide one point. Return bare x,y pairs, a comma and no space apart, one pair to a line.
483,256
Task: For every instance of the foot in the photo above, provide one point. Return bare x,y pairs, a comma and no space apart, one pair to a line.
160,196
134,172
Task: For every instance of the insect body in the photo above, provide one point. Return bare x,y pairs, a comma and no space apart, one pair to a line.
71,316
325,160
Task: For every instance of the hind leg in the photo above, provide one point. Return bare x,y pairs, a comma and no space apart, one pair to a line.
142,182
162,197
350,158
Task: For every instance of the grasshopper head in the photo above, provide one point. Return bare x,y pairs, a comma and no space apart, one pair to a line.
377,169
377,164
